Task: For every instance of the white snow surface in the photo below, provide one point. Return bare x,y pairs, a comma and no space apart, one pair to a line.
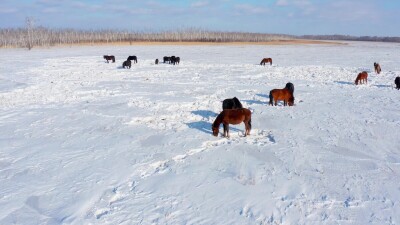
87,142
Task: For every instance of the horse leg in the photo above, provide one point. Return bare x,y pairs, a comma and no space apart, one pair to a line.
226,130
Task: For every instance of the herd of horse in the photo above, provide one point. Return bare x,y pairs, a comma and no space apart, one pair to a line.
362,78
232,109
174,60
234,113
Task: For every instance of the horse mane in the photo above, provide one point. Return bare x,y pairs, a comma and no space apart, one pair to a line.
237,103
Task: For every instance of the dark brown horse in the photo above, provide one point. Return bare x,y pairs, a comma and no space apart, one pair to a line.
166,59
109,57
172,60
127,64
132,58
397,82
284,95
232,116
266,60
377,68
361,78
177,60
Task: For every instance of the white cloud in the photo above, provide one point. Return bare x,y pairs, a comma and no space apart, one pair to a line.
304,6
8,10
282,3
200,4
246,8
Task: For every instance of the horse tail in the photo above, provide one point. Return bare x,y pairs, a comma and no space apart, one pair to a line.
250,123
271,98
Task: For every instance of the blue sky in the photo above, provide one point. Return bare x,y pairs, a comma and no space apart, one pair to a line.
353,17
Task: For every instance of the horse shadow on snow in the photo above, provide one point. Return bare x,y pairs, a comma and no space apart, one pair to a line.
258,101
344,82
202,125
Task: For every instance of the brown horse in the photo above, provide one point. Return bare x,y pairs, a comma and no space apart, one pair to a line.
284,95
109,57
362,78
377,68
266,60
232,116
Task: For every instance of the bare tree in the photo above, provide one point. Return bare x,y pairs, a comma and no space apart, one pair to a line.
30,24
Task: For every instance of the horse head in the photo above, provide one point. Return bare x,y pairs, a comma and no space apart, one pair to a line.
291,101
215,130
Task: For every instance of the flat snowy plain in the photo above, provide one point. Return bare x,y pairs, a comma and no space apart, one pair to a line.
86,142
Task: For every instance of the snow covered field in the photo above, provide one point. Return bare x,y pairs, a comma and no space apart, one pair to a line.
86,142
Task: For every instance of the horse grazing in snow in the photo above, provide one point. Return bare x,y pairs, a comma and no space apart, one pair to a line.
284,95
166,59
109,57
132,58
176,61
232,116
127,64
361,78
377,68
266,60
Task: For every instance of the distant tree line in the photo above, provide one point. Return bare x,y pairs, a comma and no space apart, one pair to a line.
31,36
41,36
350,38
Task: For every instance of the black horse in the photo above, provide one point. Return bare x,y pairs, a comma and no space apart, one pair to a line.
166,59
172,60
127,64
132,58
290,87
177,60
231,103
397,82
156,61
109,57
